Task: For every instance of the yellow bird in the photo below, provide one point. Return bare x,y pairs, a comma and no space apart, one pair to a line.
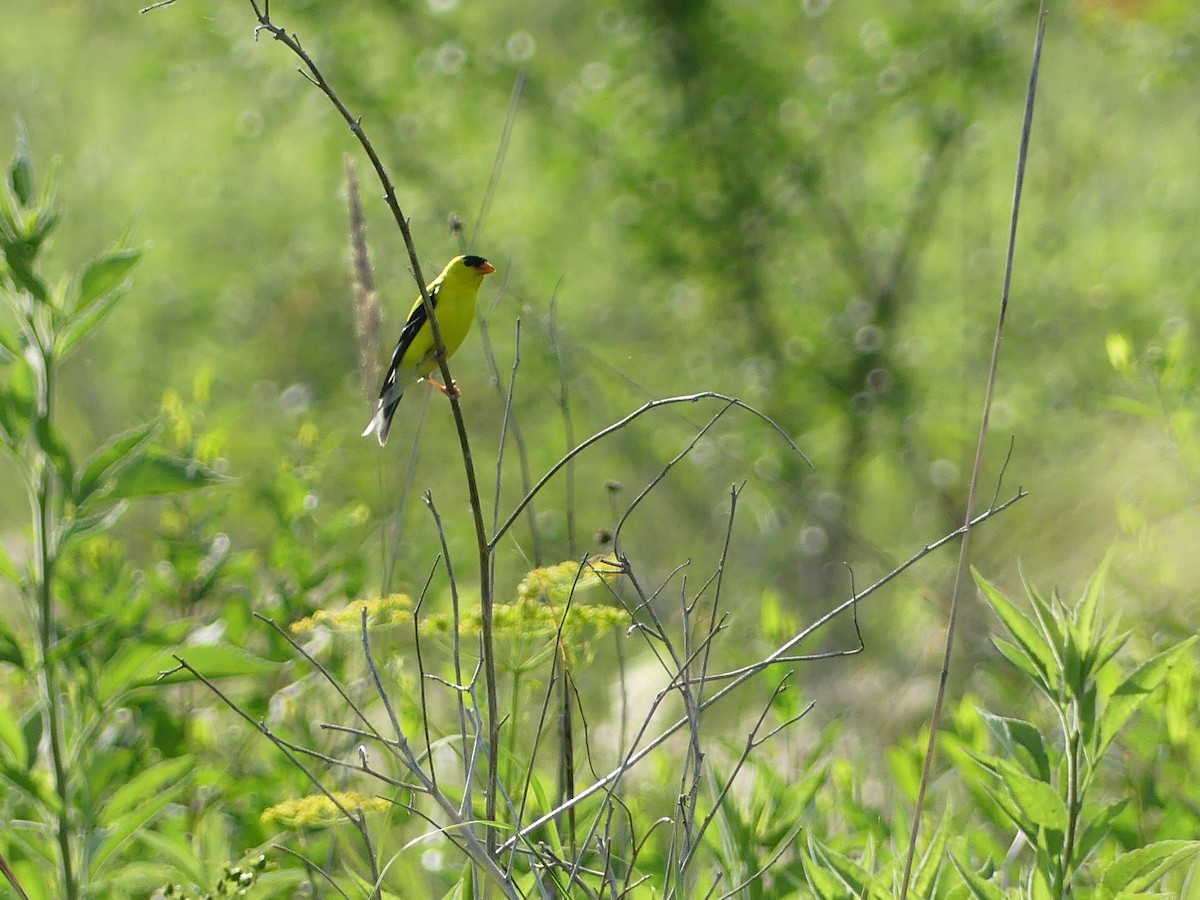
453,296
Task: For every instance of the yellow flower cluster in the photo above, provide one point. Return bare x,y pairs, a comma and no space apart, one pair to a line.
318,811
555,584
541,598
391,610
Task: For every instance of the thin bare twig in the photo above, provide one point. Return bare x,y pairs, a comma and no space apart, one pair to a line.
741,676
308,863
455,613
421,668
11,877
357,819
618,425
325,673
564,406
663,472
960,573
498,163
486,598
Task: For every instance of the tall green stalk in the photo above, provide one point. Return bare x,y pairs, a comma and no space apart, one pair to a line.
44,494
41,322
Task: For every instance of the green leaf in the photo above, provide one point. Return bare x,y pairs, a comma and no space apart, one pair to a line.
153,781
829,879
10,344
135,665
978,887
1051,619
20,172
16,402
102,520
35,787
10,648
176,852
149,804
156,473
1021,742
932,859
1021,660
12,738
117,453
20,256
1099,828
1027,636
210,660
31,732
103,276
1037,801
1139,869
52,444
80,326
1134,690
1089,606
8,568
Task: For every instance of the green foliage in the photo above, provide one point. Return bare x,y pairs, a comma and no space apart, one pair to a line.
790,199
83,755
1044,783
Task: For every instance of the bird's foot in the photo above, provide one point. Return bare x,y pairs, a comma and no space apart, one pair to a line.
451,391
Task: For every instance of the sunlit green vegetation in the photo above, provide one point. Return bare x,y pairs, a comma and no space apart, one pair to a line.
802,205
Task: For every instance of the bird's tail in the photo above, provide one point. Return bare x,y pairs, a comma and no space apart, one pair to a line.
381,422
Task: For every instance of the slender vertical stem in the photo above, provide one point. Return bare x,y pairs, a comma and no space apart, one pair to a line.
42,500
1074,761
313,73
964,550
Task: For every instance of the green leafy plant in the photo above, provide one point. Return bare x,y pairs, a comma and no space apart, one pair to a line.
81,784
1049,783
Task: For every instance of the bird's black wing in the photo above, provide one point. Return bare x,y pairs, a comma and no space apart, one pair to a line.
412,328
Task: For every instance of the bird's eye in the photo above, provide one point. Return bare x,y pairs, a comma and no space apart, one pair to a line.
473,262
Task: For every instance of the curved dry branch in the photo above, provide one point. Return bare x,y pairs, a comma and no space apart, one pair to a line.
622,423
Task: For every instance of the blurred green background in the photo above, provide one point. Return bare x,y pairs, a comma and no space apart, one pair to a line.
801,204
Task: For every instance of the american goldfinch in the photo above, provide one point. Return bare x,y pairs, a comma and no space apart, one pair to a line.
453,296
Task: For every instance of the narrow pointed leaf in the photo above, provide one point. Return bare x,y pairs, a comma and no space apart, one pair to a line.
80,326
155,474
1134,690
978,887
1038,801
52,444
117,453
20,172
1027,635
212,661
103,520
103,276
1139,869
10,648
150,782
932,860
19,257
1022,742
10,344
122,829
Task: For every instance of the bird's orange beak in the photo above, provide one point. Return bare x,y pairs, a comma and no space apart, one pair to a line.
487,269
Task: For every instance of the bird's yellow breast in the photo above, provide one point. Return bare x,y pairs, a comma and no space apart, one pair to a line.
455,311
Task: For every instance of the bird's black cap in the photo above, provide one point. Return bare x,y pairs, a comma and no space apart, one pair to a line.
473,262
